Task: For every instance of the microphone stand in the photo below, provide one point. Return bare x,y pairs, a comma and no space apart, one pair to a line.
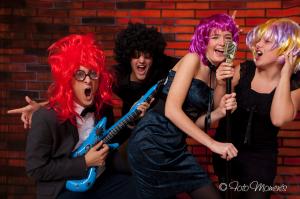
229,52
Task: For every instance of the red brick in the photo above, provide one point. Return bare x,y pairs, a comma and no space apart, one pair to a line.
83,13
82,29
16,163
15,85
121,13
43,77
293,125
5,11
12,67
291,161
178,45
289,152
288,170
160,5
106,13
177,29
39,4
192,22
290,3
4,27
102,5
251,13
76,5
289,134
52,12
169,52
196,6
180,53
228,5
145,13
176,13
184,37
283,13
206,13
291,142
159,21
264,4
70,21
255,21
25,12
23,59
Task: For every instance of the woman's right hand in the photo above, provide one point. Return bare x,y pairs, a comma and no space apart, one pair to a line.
96,156
225,150
224,71
26,111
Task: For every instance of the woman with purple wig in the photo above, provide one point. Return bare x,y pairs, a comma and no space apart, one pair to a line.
161,164
268,95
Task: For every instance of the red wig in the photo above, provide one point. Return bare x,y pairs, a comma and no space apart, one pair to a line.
65,57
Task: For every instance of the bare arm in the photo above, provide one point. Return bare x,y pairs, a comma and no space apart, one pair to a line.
285,102
186,70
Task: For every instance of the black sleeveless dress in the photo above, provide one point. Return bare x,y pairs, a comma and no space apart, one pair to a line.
252,132
157,151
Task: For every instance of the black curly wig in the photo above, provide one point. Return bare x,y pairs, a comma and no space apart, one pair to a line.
137,37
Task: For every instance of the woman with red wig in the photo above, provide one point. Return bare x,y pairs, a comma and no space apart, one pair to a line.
80,82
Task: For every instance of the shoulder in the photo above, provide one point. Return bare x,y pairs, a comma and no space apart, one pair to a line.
45,114
190,59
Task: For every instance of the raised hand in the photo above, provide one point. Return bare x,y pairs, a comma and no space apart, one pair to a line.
26,111
228,102
289,63
224,71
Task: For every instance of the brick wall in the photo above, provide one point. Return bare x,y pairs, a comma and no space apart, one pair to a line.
28,27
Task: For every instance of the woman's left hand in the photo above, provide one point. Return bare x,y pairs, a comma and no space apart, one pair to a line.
289,64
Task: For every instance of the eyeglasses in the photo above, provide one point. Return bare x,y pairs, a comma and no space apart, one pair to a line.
80,75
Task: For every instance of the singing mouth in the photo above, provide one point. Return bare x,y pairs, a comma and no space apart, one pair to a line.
258,53
88,92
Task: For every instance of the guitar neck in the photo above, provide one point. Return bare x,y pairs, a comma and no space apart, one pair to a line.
131,116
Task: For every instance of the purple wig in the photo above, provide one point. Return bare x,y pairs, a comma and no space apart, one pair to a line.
200,38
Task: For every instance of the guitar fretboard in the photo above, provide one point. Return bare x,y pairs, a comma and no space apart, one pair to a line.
126,119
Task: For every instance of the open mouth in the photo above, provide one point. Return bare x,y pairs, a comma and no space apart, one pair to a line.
88,92
141,69
258,53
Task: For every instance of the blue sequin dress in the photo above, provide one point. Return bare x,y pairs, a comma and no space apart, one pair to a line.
157,151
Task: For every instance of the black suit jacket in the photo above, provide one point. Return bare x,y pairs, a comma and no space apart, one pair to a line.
48,149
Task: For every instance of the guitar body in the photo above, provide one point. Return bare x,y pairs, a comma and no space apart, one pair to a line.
100,133
83,185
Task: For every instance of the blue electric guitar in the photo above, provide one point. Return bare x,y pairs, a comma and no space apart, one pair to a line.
100,133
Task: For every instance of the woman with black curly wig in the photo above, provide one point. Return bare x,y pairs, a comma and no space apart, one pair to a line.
139,51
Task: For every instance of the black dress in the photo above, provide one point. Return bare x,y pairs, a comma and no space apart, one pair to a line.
253,133
157,151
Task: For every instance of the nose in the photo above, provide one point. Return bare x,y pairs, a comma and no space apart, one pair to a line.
259,44
87,79
141,58
222,41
